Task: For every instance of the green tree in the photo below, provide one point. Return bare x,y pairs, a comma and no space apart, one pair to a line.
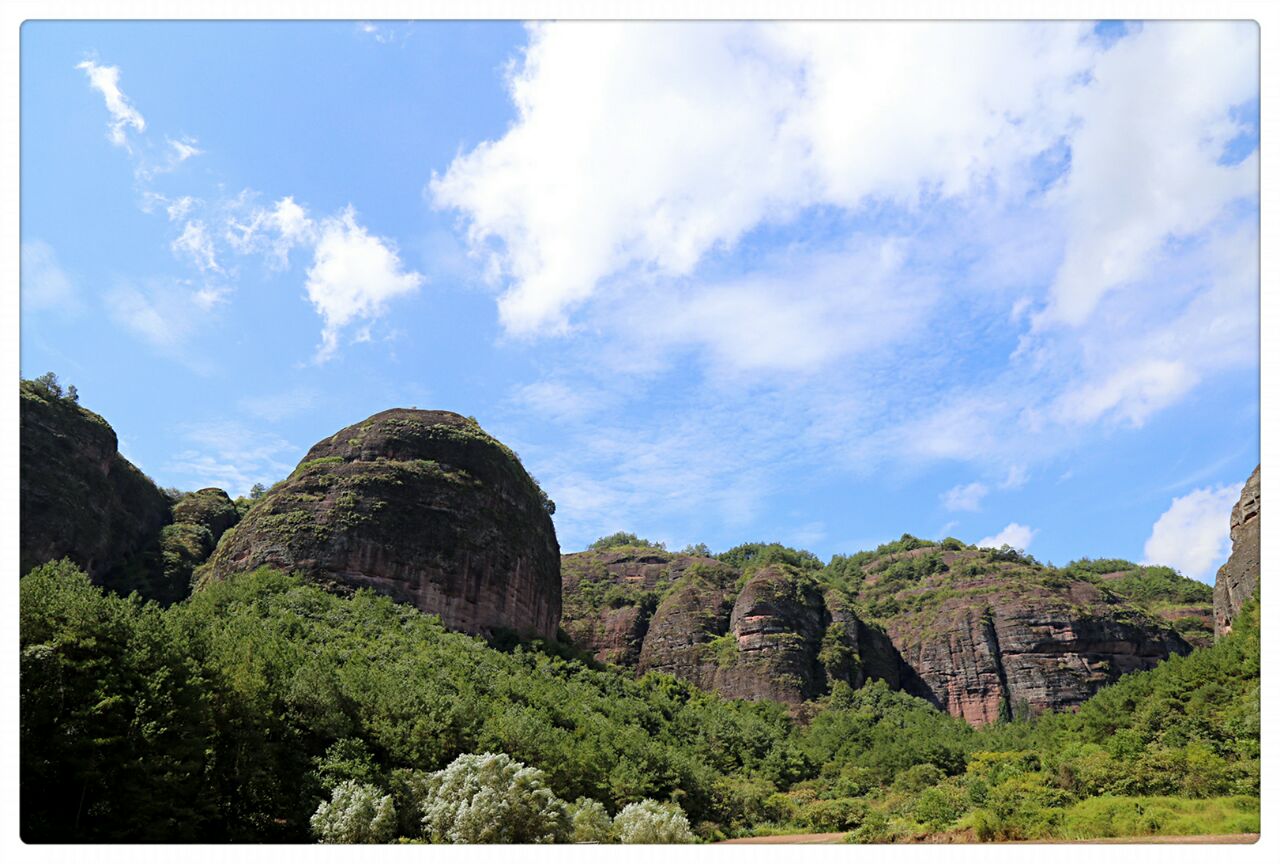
649,821
590,822
356,813
491,798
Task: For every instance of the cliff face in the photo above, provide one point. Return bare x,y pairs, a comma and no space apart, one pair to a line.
981,634
423,506
993,645
773,635
610,597
1238,579
80,499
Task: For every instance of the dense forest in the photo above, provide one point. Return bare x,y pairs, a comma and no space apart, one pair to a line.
263,708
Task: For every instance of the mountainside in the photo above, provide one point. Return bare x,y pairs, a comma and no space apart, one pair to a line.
982,634
1238,579
80,498
423,506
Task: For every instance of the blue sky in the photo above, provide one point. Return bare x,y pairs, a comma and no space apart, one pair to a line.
823,284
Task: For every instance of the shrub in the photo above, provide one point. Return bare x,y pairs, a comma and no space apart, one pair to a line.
590,822
648,821
357,813
834,814
621,539
491,798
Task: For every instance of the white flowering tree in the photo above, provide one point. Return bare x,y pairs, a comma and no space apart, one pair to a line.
649,821
590,822
491,798
356,813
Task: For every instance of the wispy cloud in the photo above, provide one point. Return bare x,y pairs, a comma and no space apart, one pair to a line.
352,277
106,80
968,497
231,456
45,285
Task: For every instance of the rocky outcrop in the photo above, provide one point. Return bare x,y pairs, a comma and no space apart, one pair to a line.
423,506
979,633
209,508
1000,645
609,597
775,635
1238,579
79,498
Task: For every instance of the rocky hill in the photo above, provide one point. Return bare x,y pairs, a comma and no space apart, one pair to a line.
1238,579
423,506
979,633
80,499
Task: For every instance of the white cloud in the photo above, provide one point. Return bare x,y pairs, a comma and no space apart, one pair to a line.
183,149
45,285
180,207
1194,535
968,497
106,80
625,200
1013,535
352,278
384,33
626,154
195,244
1144,167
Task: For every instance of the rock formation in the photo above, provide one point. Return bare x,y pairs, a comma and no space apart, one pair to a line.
211,509
610,597
1238,579
423,506
79,498
775,635
979,633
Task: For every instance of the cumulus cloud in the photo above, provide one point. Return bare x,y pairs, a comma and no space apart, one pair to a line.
1013,535
627,154
45,285
1194,535
968,497
1031,164
106,80
352,278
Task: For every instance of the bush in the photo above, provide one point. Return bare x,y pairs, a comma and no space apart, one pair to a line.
491,798
590,822
834,814
356,813
621,539
648,821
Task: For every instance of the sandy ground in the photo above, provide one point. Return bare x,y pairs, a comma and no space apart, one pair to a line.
777,839
789,838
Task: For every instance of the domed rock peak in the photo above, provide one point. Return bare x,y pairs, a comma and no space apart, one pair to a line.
423,506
